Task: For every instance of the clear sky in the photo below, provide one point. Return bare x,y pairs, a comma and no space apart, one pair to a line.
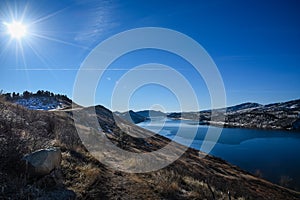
255,45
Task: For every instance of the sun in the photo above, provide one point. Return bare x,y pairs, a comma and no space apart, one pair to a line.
16,29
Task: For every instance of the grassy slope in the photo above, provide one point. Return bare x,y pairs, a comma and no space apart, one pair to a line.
23,131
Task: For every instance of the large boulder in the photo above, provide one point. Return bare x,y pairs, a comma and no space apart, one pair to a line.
42,162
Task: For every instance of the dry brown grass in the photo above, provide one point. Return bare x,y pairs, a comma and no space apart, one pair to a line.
167,183
285,181
173,185
79,176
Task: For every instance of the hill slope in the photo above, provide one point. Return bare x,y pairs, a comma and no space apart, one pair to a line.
131,116
140,116
283,116
190,177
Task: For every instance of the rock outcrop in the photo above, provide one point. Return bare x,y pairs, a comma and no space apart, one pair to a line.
42,162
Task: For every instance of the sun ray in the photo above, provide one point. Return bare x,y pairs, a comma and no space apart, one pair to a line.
59,41
40,57
11,13
24,12
20,47
24,62
35,52
17,17
17,52
3,50
48,16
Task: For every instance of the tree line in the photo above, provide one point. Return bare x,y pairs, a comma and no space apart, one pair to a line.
27,94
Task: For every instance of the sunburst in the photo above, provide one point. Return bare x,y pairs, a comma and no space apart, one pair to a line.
16,29
24,33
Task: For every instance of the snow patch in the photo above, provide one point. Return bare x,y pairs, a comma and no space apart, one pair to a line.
40,103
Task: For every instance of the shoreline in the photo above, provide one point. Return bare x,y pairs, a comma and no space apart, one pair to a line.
228,125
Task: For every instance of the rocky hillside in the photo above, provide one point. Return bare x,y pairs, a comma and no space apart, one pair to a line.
140,116
41,100
131,116
283,116
83,177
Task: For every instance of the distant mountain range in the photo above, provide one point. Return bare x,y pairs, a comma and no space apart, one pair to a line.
281,116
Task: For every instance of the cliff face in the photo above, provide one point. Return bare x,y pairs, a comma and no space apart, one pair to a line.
190,177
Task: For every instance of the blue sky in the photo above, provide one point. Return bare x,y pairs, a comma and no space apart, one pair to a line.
255,45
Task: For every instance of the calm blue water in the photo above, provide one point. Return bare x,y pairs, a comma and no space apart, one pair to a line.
275,154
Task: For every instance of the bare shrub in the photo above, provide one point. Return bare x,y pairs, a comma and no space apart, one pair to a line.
258,173
285,181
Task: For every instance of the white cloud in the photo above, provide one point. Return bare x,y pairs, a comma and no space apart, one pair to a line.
97,18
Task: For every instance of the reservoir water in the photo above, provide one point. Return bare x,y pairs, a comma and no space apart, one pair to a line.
272,155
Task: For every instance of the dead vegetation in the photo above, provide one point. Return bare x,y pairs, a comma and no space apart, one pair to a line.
83,177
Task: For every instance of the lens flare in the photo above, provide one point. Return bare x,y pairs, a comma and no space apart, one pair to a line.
16,29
